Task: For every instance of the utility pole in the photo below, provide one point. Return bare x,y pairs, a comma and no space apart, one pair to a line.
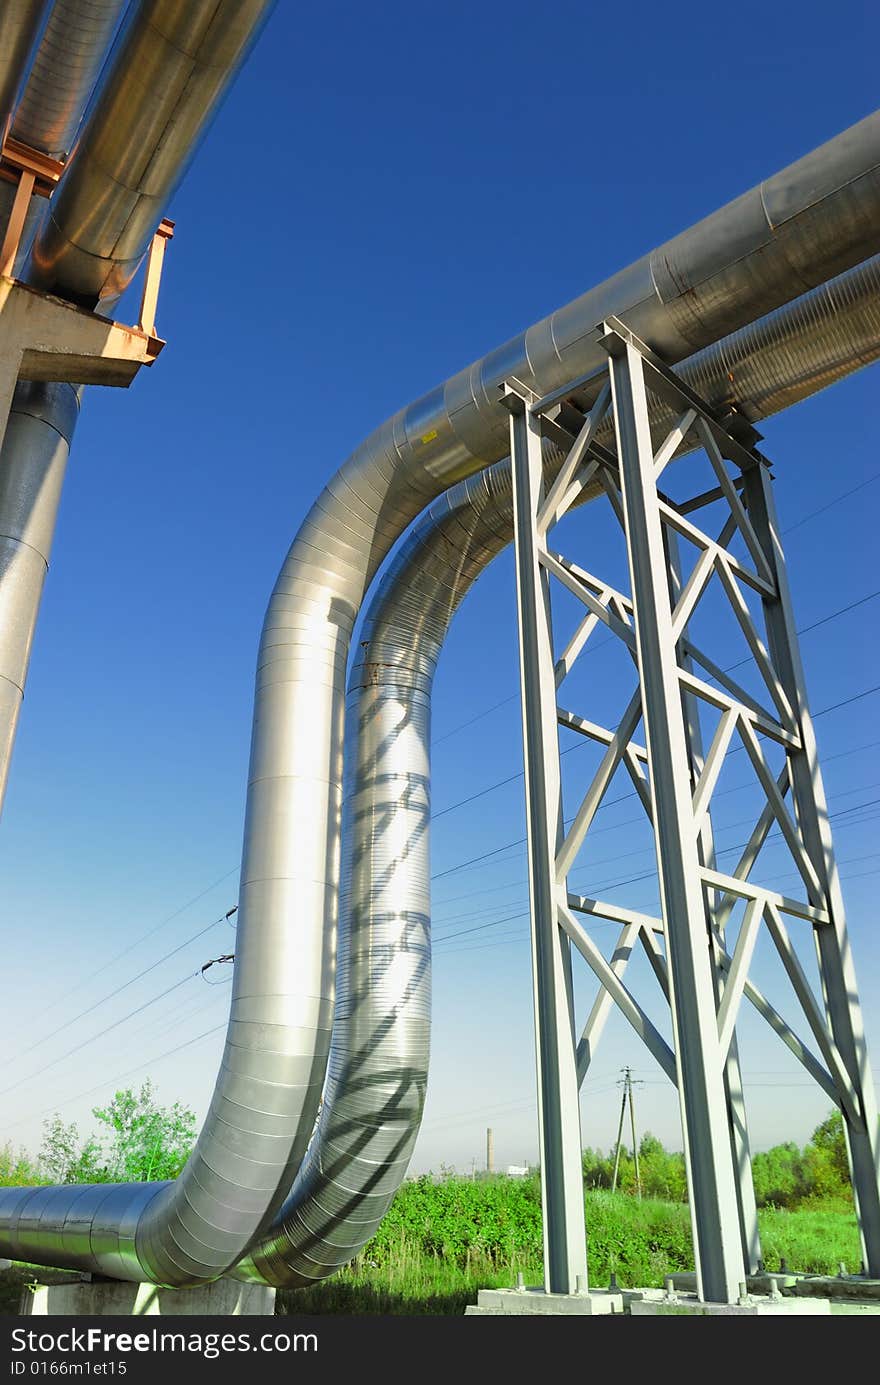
627,1084
619,1137
632,1122
490,1150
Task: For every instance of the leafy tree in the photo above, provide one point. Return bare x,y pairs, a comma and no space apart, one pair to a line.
829,1137
597,1168
139,1141
17,1169
147,1141
826,1166
787,1176
63,1159
662,1171
784,1176
778,1175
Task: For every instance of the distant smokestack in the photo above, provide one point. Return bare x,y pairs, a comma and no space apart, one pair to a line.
490,1150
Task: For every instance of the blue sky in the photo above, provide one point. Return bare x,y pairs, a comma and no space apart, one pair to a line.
384,197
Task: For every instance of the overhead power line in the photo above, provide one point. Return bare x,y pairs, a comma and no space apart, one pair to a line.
156,928
438,875
823,509
512,778
111,995
814,514
650,874
100,1086
473,860
62,1057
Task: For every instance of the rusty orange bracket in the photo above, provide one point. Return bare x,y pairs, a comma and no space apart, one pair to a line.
35,174
153,276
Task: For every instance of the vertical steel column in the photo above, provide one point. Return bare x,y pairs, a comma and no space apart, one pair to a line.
739,1132
33,460
565,1245
712,1184
832,942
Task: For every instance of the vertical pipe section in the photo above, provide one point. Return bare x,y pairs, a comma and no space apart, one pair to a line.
32,465
559,1126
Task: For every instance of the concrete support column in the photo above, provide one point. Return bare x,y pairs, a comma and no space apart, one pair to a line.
113,1298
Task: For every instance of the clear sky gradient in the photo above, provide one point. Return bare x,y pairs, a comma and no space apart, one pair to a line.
387,194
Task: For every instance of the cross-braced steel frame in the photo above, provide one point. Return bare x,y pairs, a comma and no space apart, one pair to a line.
704,975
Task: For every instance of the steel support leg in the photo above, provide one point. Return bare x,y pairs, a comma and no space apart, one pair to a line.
739,1133
565,1249
711,1177
832,943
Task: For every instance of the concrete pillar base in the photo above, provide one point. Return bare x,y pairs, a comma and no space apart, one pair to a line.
521,1302
661,1305
114,1298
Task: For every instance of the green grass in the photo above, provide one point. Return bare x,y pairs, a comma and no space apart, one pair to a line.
441,1242
813,1240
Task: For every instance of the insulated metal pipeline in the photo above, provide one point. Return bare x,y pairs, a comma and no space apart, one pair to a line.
19,24
125,165
814,220
62,76
152,134
32,466
63,73
36,445
168,73
378,1068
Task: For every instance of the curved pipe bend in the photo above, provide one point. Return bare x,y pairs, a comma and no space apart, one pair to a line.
378,1068
737,264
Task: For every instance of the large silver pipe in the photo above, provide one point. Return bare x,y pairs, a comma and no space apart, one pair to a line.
37,440
168,74
815,219
67,61
32,465
35,448
135,150
59,82
19,25
63,73
378,1068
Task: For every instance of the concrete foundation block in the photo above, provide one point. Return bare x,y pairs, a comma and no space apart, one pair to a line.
646,1304
855,1287
525,1302
114,1298
685,1282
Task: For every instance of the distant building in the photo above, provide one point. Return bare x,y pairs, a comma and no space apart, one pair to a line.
517,1170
